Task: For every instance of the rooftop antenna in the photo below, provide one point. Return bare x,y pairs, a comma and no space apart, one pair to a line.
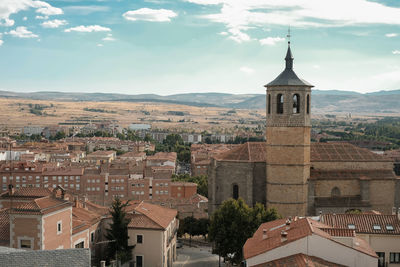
288,35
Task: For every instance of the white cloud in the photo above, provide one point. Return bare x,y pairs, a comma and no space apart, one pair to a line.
25,18
238,36
243,14
42,17
54,23
390,35
148,14
99,45
1,42
85,10
223,33
22,32
246,70
90,28
271,40
109,38
396,52
9,7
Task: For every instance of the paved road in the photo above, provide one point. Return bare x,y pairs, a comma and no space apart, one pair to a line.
196,257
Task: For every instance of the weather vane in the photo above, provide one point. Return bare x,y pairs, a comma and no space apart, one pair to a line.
288,35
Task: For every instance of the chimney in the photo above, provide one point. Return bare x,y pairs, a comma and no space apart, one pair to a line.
288,222
264,234
11,190
85,199
102,263
76,202
284,236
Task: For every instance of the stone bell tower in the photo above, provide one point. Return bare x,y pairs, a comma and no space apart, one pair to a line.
288,141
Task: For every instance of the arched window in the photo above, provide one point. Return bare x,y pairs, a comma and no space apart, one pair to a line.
279,104
335,192
269,104
296,103
308,104
235,191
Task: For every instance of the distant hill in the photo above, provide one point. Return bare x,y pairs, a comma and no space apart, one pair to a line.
322,101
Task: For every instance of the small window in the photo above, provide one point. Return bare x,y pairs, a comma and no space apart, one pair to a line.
279,104
394,257
335,192
308,104
25,243
389,227
80,245
296,103
59,227
235,191
376,227
92,237
269,104
139,261
351,226
139,239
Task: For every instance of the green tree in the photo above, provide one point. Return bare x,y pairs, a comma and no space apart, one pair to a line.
172,140
233,223
118,233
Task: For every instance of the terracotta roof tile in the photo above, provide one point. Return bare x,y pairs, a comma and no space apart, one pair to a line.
83,218
163,156
342,151
29,192
42,205
299,260
248,152
159,215
364,223
142,221
4,226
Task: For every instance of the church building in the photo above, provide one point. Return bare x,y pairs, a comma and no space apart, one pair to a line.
298,177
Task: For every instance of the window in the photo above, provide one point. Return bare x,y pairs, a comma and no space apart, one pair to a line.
394,257
77,187
279,104
78,179
92,237
139,261
54,178
335,192
46,178
4,179
376,227
296,103
80,245
235,191
351,226
381,259
17,178
389,227
308,104
25,243
59,227
139,239
269,104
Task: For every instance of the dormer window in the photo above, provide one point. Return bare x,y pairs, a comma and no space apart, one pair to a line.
389,227
279,104
296,103
376,227
351,226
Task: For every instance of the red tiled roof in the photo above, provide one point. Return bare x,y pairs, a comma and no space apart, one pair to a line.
351,174
101,153
159,215
83,218
4,227
29,192
342,151
364,222
42,205
299,260
339,232
248,152
299,228
142,221
163,156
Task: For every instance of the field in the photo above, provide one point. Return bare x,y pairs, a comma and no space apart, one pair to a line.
16,113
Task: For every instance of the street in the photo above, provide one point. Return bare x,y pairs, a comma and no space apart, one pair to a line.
196,257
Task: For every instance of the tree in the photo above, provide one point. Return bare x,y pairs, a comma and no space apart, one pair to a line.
233,223
119,232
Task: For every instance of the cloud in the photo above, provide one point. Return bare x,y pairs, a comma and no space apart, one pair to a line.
42,17
54,23
396,52
25,18
9,7
244,14
246,70
22,32
390,35
148,14
100,45
271,40
86,10
109,38
1,42
91,28
238,36
223,33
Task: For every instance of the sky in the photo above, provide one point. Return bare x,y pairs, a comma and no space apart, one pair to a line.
186,46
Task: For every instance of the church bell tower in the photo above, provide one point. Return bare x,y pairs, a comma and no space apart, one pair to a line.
288,141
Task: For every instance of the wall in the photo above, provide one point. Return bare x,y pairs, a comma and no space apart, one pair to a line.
52,240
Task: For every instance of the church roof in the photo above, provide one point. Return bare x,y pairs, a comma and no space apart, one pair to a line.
247,152
351,174
342,151
288,77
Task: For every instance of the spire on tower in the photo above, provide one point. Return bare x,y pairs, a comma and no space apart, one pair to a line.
289,56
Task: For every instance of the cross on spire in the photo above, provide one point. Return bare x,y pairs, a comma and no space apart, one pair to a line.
288,35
